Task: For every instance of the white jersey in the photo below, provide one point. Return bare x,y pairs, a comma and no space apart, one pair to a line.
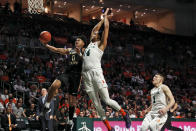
158,98
92,57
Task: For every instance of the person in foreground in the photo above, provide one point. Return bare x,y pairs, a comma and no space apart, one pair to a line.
168,124
92,74
161,101
71,77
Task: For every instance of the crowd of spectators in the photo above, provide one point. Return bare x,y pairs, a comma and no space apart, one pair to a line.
134,54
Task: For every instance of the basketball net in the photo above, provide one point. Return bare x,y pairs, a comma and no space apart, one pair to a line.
35,6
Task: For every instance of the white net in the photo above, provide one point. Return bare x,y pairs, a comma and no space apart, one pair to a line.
35,6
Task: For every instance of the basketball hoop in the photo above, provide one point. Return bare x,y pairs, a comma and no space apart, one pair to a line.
35,6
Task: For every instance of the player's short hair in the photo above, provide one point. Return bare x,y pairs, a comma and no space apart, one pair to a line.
163,78
83,38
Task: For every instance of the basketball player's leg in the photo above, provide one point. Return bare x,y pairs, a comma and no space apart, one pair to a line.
74,81
101,85
157,123
97,103
146,123
58,82
93,95
52,90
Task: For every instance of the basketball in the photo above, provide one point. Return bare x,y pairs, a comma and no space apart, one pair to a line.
45,37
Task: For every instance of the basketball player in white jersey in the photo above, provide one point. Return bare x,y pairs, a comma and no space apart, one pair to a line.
161,101
92,74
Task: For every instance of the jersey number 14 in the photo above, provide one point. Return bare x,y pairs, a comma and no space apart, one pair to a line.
87,52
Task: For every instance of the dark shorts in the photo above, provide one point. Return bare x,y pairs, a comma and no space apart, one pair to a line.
70,82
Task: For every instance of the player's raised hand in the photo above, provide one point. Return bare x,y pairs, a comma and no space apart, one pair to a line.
106,12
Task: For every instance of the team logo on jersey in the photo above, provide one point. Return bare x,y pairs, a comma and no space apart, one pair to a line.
158,120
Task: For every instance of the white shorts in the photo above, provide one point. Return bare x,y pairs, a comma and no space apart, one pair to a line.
94,80
153,121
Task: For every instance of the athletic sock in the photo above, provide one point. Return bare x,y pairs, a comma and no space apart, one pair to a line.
107,124
71,112
122,112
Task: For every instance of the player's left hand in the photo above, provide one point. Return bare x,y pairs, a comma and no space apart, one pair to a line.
162,111
78,51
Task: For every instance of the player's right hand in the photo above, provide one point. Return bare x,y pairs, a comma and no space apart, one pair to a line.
43,42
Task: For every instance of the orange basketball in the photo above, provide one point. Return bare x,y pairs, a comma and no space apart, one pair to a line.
45,36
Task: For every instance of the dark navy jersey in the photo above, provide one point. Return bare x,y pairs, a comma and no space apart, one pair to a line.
74,62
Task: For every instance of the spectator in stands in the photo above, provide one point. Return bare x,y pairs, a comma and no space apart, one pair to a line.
1,107
82,113
9,120
87,113
47,118
19,85
19,111
94,114
62,119
4,96
31,112
116,115
11,102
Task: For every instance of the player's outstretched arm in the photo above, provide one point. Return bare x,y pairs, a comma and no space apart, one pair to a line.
104,38
95,30
170,96
174,107
56,50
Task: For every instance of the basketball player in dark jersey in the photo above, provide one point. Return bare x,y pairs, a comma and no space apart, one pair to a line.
168,124
72,77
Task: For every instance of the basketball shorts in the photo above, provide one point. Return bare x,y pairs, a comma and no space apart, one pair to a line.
70,82
153,121
94,80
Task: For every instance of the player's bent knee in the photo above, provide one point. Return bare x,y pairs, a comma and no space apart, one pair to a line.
107,101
